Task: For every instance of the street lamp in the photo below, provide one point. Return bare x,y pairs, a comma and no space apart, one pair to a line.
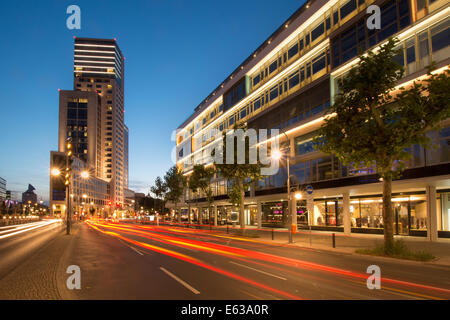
277,155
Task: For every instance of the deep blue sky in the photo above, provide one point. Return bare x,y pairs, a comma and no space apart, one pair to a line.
176,52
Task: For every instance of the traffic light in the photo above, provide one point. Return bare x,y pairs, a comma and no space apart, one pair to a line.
69,161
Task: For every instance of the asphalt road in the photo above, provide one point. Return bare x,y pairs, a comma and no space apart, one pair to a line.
126,261
131,261
19,242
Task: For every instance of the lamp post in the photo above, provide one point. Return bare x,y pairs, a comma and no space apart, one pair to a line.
277,155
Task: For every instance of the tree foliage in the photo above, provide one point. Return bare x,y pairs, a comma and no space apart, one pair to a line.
372,122
175,183
159,190
241,175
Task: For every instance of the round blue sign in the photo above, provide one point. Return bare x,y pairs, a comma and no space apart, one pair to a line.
309,189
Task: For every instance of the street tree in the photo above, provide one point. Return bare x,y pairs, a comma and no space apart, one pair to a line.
159,190
201,178
372,121
175,183
241,175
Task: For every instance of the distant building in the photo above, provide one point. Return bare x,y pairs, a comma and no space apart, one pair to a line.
29,196
13,195
130,200
2,189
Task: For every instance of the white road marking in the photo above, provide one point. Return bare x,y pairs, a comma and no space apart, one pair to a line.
131,247
193,290
28,229
260,271
137,250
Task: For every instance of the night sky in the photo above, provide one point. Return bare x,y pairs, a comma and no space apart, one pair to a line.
176,53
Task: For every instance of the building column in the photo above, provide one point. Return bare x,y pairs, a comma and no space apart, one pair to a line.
347,219
259,214
432,233
215,215
200,215
293,212
310,208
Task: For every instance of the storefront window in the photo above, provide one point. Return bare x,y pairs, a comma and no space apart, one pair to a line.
274,214
366,213
328,213
444,206
302,213
250,215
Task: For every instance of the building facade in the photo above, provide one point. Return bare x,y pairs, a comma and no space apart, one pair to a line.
92,115
2,189
289,82
29,197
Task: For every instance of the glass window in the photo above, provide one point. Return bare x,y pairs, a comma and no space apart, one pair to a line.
423,49
231,120
243,113
440,40
293,80
256,80
318,63
304,143
274,92
317,32
273,66
444,144
335,18
317,109
256,104
410,56
293,51
348,8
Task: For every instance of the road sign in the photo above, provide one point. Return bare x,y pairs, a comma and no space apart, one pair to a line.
309,189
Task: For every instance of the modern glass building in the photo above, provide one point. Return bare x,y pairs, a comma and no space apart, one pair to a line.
92,115
288,83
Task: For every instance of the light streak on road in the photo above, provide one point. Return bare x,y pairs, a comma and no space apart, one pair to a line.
27,228
261,256
196,262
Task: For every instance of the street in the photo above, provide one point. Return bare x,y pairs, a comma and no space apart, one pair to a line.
133,261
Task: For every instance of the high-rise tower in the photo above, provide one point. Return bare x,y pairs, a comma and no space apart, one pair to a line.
99,67
92,115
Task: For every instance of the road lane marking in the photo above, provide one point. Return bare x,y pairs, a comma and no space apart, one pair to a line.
260,271
193,290
131,247
404,292
251,295
137,251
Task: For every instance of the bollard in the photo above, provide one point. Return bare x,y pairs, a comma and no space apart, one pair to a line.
227,227
272,234
333,236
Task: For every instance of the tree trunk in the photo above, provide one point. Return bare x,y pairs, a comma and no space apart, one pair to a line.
387,216
189,213
241,205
